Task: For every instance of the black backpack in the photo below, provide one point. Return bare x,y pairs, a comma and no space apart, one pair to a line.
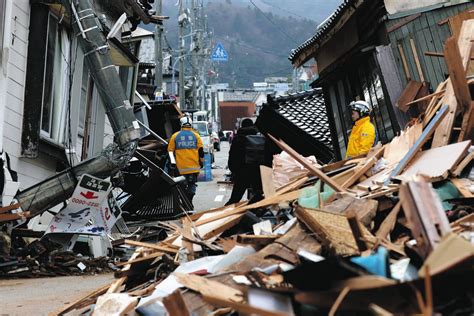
255,149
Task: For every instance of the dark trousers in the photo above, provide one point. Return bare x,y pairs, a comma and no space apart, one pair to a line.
190,185
243,182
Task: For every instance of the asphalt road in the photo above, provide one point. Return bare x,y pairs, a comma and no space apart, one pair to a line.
42,296
211,194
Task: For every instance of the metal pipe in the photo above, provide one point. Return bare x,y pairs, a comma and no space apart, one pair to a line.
95,47
58,188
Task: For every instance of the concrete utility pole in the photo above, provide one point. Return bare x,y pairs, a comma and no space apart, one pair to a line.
181,21
194,50
159,49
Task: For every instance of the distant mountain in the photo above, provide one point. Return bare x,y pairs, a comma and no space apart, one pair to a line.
258,43
316,10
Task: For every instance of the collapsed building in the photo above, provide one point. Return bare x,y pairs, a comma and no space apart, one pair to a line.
388,233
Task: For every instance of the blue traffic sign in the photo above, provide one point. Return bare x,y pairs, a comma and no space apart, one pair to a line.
219,53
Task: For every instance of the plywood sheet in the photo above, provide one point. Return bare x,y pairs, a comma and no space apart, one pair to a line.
437,162
400,145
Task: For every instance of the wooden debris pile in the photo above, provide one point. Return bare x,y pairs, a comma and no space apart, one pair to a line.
389,233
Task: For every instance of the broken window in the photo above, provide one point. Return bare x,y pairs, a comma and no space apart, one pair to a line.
56,82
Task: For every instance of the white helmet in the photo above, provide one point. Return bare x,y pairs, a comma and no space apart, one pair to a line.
186,121
362,107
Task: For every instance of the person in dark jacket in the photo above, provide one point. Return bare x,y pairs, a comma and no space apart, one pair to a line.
245,176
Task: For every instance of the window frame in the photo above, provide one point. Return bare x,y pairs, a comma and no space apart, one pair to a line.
61,37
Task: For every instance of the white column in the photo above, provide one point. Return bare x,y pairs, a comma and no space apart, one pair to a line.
4,66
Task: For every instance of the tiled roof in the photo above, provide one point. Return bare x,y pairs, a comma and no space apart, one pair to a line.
322,29
307,112
299,119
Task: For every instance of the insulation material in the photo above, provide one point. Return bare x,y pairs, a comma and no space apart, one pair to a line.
285,168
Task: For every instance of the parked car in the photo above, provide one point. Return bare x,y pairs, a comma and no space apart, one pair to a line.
202,128
216,141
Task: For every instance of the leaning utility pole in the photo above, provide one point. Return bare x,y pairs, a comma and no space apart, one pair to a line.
181,21
159,49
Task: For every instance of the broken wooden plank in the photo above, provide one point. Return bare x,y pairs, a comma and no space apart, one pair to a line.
467,126
315,171
452,250
267,181
151,246
442,135
435,104
408,95
142,259
364,208
429,130
457,73
117,284
381,193
78,303
209,287
187,234
286,197
256,239
417,60
356,230
363,169
389,222
404,62
403,22
463,187
175,304
427,97
436,164
426,217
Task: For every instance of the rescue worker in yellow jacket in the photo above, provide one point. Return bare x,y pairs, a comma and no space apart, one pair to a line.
186,152
362,136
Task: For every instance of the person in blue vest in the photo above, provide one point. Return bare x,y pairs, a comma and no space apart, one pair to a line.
186,149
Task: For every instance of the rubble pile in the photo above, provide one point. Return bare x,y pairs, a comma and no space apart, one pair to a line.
388,233
316,245
40,260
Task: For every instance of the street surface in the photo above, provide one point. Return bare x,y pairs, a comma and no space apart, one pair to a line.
41,296
211,194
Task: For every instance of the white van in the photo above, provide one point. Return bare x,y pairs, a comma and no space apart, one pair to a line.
202,128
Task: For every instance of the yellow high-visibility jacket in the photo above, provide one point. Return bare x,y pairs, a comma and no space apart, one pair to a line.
362,138
185,145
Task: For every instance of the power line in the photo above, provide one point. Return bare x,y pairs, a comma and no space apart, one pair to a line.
271,21
284,10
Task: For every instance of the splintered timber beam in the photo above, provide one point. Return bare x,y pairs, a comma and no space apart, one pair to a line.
315,171
457,73
426,217
443,133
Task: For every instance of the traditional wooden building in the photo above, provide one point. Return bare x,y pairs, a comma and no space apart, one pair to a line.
371,50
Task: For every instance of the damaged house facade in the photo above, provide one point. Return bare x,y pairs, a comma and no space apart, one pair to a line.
380,51
52,114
